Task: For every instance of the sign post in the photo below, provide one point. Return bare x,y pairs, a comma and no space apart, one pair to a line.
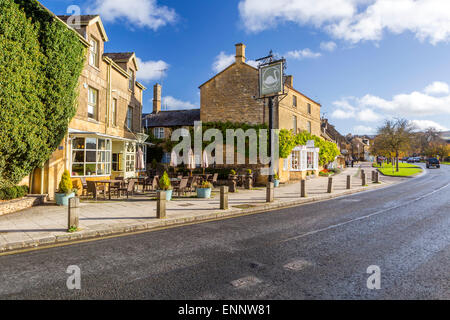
271,85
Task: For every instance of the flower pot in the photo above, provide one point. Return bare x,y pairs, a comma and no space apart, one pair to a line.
168,194
62,199
204,193
276,183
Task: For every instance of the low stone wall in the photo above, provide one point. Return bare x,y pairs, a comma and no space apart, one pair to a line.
20,204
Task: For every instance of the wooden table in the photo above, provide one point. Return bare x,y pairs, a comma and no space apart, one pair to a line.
108,182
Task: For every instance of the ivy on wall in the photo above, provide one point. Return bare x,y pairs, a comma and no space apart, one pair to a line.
288,141
40,64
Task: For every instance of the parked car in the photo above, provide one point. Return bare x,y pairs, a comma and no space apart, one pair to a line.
433,162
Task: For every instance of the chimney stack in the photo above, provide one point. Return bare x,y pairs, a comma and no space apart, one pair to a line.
290,81
157,98
240,53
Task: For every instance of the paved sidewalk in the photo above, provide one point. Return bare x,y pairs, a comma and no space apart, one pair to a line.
47,224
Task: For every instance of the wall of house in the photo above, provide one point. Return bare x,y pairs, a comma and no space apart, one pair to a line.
229,97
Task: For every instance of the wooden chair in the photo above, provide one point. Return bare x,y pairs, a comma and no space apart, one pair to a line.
191,183
95,189
181,187
84,185
129,188
115,187
213,179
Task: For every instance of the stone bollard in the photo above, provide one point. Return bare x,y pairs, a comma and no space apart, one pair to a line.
303,188
270,192
373,176
161,205
377,177
330,185
73,214
349,182
362,172
363,179
224,198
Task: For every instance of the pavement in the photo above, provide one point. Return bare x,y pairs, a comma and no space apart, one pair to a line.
47,225
320,250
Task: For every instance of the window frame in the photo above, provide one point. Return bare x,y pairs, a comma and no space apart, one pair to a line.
129,120
308,108
294,101
309,126
94,52
95,114
131,81
114,112
100,153
159,132
294,124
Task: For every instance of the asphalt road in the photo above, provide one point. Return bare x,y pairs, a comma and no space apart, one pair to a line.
316,251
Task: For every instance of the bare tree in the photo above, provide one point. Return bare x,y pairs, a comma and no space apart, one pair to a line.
395,136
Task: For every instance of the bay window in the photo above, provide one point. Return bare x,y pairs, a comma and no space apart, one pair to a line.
91,157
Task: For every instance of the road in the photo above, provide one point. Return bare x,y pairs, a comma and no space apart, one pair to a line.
316,251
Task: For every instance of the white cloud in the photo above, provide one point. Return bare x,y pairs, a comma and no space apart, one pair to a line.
407,104
437,88
360,129
353,20
302,54
151,70
142,13
422,125
171,103
328,46
223,60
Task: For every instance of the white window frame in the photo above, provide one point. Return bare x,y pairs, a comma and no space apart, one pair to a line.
130,157
131,80
93,104
102,157
94,52
114,112
159,133
294,124
309,126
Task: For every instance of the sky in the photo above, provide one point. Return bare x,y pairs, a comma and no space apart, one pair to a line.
365,61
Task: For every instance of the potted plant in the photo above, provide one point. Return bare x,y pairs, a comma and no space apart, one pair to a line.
204,191
65,190
276,180
165,185
307,175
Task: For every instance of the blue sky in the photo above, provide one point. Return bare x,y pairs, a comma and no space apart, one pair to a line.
363,60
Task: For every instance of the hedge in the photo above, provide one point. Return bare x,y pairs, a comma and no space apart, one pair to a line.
40,64
13,192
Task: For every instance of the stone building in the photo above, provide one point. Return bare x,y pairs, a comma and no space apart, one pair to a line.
230,96
102,138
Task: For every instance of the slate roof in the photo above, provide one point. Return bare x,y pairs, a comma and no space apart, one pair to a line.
119,56
173,118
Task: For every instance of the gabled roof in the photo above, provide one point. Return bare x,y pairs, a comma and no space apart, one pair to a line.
173,118
229,67
88,20
122,57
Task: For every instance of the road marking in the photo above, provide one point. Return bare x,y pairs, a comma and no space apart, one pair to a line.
245,282
334,226
298,265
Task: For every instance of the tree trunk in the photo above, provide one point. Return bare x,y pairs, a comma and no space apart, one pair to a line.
396,160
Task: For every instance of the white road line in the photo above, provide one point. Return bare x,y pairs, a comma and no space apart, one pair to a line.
363,217
245,282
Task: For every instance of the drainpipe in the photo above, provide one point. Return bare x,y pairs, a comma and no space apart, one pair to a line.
108,98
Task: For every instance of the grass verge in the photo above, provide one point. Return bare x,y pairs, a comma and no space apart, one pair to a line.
405,170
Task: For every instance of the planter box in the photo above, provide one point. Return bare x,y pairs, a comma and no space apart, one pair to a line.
204,193
276,183
168,194
62,199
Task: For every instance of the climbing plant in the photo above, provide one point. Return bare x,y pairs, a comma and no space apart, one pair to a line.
40,64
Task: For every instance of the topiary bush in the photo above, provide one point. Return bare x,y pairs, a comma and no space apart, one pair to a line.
65,185
164,182
40,64
14,192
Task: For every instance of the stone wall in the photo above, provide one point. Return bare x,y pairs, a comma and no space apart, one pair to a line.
20,204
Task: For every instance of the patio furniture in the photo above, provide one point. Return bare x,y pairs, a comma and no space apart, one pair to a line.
115,186
129,188
181,187
84,186
192,181
95,189
213,179
103,183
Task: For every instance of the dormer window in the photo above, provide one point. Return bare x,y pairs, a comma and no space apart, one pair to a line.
131,80
94,53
